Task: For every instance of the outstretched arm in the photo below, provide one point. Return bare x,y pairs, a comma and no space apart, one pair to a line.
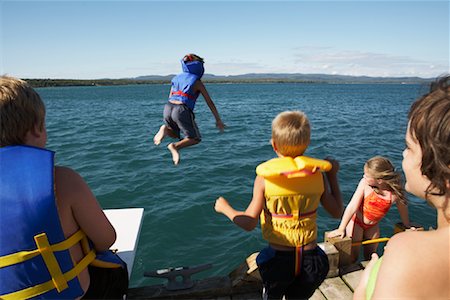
350,210
403,211
249,218
331,199
199,86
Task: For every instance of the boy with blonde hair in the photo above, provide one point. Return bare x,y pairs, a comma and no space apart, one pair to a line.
286,194
47,208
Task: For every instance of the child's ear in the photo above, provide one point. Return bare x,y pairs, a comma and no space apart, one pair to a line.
274,146
34,136
36,131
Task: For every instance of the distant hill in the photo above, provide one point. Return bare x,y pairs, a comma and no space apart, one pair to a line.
295,77
244,78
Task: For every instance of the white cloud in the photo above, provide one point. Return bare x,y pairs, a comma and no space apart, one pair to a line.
358,63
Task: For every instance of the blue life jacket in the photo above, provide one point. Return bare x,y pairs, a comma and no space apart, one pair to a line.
182,84
34,256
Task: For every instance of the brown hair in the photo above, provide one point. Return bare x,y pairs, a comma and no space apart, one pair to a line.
380,167
429,124
21,109
192,57
291,133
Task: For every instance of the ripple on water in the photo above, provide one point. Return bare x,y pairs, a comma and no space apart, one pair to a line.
105,133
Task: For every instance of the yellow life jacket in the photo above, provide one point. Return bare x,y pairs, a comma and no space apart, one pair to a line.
293,188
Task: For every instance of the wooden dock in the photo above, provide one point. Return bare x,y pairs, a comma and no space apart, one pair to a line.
245,283
220,288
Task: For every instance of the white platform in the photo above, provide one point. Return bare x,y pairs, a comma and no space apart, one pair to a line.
127,223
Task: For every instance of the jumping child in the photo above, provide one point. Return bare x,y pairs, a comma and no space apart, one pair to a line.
380,187
179,110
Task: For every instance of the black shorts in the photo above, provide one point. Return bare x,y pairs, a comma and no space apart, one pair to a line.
107,283
179,117
277,269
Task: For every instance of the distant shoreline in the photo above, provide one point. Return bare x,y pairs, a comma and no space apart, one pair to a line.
237,79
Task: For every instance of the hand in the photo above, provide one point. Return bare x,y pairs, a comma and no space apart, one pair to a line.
336,233
360,291
220,204
220,125
408,227
412,228
334,166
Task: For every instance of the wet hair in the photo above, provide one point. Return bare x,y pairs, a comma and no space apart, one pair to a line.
291,133
380,167
193,57
429,125
21,109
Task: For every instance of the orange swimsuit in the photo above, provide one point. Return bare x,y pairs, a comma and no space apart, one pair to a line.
374,208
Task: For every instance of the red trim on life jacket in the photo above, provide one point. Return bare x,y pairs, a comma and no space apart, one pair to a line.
305,172
180,93
290,215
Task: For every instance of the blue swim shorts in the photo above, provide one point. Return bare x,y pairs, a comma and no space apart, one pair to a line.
277,269
180,118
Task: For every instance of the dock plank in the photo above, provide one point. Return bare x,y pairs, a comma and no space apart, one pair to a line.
335,288
352,279
317,296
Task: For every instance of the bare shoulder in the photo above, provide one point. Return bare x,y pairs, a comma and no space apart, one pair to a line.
361,185
80,206
68,182
66,174
410,265
258,187
198,85
259,181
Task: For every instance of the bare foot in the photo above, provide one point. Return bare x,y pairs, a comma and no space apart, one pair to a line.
175,154
160,135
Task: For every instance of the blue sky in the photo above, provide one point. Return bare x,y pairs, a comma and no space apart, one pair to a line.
116,39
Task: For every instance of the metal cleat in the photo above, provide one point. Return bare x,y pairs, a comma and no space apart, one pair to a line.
171,274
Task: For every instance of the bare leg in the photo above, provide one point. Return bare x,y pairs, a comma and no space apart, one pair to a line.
370,234
174,147
160,135
356,233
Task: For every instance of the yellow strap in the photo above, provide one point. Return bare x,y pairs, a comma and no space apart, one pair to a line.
366,242
49,285
51,262
22,256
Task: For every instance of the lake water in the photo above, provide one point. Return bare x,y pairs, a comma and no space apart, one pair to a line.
105,134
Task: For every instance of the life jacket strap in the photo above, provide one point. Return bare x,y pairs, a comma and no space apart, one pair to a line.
180,93
295,216
298,260
49,285
18,257
59,280
50,261
299,173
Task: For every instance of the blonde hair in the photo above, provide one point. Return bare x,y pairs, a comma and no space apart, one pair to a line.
291,133
193,57
21,109
382,168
